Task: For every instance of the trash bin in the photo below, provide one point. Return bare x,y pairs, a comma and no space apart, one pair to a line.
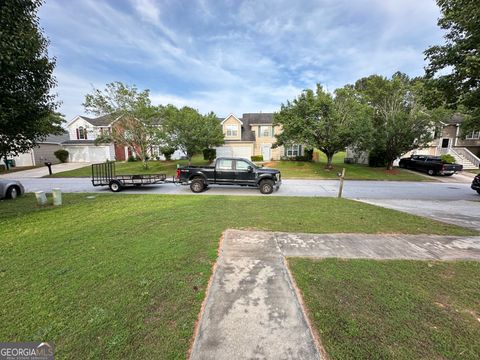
10,163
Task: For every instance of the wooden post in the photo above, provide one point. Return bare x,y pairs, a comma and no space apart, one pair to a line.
340,188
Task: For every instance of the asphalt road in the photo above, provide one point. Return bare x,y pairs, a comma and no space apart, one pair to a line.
353,189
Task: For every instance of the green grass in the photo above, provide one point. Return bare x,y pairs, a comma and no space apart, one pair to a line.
366,309
16,169
477,171
311,170
123,276
136,167
289,169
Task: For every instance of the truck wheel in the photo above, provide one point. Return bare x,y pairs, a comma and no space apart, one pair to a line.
12,192
115,186
478,191
197,185
431,172
266,187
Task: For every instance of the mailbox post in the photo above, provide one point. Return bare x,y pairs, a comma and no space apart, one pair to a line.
49,165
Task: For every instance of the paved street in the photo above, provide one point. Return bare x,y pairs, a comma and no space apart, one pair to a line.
353,189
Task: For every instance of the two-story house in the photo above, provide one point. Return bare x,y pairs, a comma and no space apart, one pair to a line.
251,135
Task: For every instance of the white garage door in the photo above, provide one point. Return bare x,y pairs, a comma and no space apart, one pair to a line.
227,151
87,153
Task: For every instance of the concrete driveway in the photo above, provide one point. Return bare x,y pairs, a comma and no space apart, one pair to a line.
43,171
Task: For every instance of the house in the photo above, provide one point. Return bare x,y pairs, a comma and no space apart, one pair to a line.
252,135
41,153
447,139
83,131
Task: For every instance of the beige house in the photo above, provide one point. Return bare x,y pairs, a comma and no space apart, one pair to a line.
251,135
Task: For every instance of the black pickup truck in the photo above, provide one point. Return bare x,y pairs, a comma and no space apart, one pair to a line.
230,171
432,165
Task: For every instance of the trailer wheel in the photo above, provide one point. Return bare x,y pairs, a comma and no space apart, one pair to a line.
197,185
266,187
431,172
115,186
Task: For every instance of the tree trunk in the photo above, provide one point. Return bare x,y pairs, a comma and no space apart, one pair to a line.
390,165
145,163
189,157
329,161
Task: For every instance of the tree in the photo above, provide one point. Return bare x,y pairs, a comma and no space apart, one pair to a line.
27,106
323,121
188,130
459,57
401,122
137,120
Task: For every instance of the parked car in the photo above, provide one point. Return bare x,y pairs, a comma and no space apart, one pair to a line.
432,165
10,189
476,184
230,171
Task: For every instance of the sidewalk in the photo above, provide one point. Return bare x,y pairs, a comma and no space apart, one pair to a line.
42,171
252,309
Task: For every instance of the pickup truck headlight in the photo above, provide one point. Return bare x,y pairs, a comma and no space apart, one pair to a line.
277,176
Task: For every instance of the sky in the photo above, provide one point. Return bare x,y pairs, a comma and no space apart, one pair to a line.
232,56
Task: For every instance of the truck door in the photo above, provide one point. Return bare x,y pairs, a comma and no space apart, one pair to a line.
244,173
224,171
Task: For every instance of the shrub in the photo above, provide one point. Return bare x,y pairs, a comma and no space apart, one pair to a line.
377,158
308,154
61,155
209,154
131,158
167,151
256,158
448,159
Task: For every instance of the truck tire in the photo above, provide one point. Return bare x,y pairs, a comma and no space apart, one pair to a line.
115,186
197,185
478,191
431,172
12,192
266,187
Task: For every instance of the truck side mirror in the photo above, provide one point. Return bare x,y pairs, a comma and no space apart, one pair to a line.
250,169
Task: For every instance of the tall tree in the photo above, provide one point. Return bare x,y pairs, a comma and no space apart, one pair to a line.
188,130
27,105
137,123
401,122
459,57
323,121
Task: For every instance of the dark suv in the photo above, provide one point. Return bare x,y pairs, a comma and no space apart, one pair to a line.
476,184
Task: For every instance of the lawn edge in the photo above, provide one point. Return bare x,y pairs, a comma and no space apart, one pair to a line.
305,312
204,301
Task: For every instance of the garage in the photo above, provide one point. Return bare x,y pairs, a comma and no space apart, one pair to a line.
235,151
86,153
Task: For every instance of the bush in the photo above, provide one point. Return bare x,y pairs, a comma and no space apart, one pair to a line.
61,155
131,158
209,154
448,159
308,154
256,158
377,158
167,152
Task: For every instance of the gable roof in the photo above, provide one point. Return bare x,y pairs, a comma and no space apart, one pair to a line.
56,139
104,120
249,119
258,118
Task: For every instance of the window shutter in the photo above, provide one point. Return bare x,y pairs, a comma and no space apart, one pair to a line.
85,133
259,133
299,150
78,134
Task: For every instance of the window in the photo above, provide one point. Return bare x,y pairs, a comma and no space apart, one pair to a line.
232,130
225,165
265,131
474,135
293,150
242,165
81,133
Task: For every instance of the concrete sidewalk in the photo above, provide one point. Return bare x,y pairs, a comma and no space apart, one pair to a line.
43,171
252,310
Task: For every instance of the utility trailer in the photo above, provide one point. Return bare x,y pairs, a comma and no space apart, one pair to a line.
104,175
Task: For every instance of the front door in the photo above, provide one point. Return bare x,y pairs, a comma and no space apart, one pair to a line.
266,152
242,175
445,143
225,172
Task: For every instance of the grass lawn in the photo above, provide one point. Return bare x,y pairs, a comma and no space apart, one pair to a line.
15,169
311,170
123,276
365,309
477,171
130,168
289,169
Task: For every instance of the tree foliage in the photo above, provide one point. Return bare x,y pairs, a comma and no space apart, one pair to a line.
188,130
137,120
327,122
27,106
401,122
459,57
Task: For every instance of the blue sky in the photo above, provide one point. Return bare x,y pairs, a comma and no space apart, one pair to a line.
232,56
